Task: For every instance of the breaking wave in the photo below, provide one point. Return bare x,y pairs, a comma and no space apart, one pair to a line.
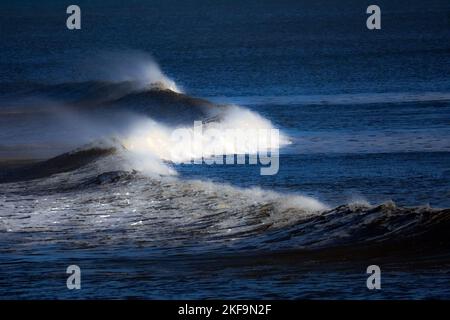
136,112
104,138
174,214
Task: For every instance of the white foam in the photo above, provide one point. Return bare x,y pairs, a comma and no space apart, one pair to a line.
148,138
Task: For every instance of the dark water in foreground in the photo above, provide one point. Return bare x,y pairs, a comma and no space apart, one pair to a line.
365,179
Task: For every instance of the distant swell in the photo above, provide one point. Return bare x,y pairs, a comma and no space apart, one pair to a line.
338,99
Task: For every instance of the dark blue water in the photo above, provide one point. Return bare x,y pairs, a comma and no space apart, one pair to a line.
367,112
235,49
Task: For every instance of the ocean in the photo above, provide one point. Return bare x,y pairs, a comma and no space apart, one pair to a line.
88,175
